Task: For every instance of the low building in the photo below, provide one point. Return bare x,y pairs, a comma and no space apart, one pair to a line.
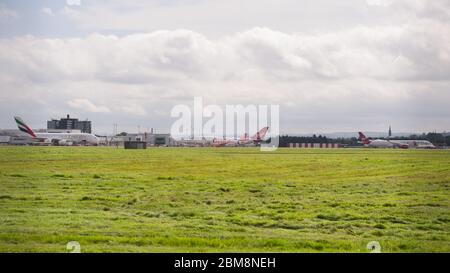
14,137
159,140
20,140
4,140
135,145
149,139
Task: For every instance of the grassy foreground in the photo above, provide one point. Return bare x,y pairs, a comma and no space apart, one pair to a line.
223,200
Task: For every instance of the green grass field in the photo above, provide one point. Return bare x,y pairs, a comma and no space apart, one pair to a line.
223,200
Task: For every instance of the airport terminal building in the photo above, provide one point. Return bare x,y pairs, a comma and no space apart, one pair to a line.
69,124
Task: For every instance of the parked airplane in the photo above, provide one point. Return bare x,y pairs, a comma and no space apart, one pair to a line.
243,140
392,143
223,143
62,139
193,142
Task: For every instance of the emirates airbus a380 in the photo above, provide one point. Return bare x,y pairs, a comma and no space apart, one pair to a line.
62,139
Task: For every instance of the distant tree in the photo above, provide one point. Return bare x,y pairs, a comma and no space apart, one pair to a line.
285,140
435,138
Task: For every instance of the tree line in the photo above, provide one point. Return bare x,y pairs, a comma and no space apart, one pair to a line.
437,139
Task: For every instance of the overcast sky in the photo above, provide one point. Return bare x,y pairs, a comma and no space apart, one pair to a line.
331,65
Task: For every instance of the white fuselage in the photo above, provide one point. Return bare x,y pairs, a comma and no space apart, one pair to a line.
411,144
74,138
417,144
381,143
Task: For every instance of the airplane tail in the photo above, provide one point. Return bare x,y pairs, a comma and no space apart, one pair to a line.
363,139
261,134
23,127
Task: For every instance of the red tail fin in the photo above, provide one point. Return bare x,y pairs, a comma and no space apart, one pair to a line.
261,134
361,136
363,139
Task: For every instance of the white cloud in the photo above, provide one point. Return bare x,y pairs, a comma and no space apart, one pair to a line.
133,109
87,105
6,13
420,51
73,2
377,2
47,11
